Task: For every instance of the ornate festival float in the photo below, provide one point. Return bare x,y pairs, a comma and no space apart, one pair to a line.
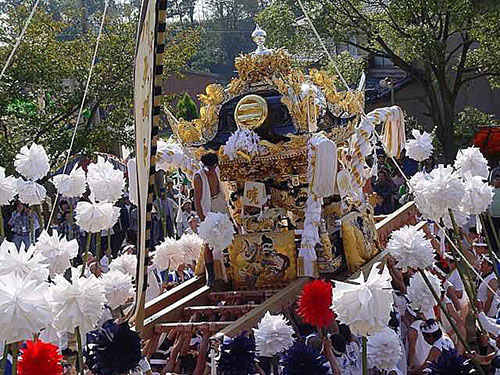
291,148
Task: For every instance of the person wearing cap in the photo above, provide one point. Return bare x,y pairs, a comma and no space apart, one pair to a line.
488,285
209,197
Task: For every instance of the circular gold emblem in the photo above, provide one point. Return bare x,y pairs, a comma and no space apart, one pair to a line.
251,112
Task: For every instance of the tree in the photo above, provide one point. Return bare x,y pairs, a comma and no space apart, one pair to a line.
225,34
43,87
442,44
186,108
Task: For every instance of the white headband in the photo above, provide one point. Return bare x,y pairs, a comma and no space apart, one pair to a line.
430,328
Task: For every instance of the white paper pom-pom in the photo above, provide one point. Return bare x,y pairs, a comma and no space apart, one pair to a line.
461,219
30,192
117,288
169,155
77,303
420,148
470,162
190,245
24,310
366,305
420,295
384,349
57,251
168,255
410,248
217,231
478,195
94,217
440,190
32,162
23,262
8,187
273,335
105,182
71,185
242,140
126,263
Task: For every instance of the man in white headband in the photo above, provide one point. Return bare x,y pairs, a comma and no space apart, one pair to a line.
434,336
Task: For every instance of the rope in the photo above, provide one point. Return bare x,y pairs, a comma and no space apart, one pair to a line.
82,104
19,39
379,138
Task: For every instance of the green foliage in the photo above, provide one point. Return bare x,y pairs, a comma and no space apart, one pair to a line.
43,87
468,122
225,34
349,66
186,108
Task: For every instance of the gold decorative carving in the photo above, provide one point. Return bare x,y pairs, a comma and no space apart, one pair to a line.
255,68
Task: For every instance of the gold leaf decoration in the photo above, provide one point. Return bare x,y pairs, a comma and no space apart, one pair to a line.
256,68
214,94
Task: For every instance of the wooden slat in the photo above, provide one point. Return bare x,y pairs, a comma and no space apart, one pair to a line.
219,309
173,312
273,304
167,327
173,295
243,294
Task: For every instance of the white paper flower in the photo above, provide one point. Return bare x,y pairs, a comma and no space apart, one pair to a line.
8,188
365,307
461,218
420,148
57,251
77,303
105,182
217,231
96,216
384,349
126,263
244,140
273,335
478,195
24,310
169,155
30,192
470,162
32,162
25,262
440,190
410,248
168,255
420,295
71,185
117,288
190,245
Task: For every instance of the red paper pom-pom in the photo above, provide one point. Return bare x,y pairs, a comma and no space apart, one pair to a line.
39,358
314,303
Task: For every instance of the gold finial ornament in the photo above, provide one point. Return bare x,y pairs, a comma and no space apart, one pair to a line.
251,112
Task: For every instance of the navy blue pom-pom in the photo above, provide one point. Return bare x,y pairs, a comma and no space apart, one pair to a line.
237,356
113,349
450,363
300,360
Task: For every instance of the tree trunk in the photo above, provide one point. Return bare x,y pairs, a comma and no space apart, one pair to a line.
84,15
